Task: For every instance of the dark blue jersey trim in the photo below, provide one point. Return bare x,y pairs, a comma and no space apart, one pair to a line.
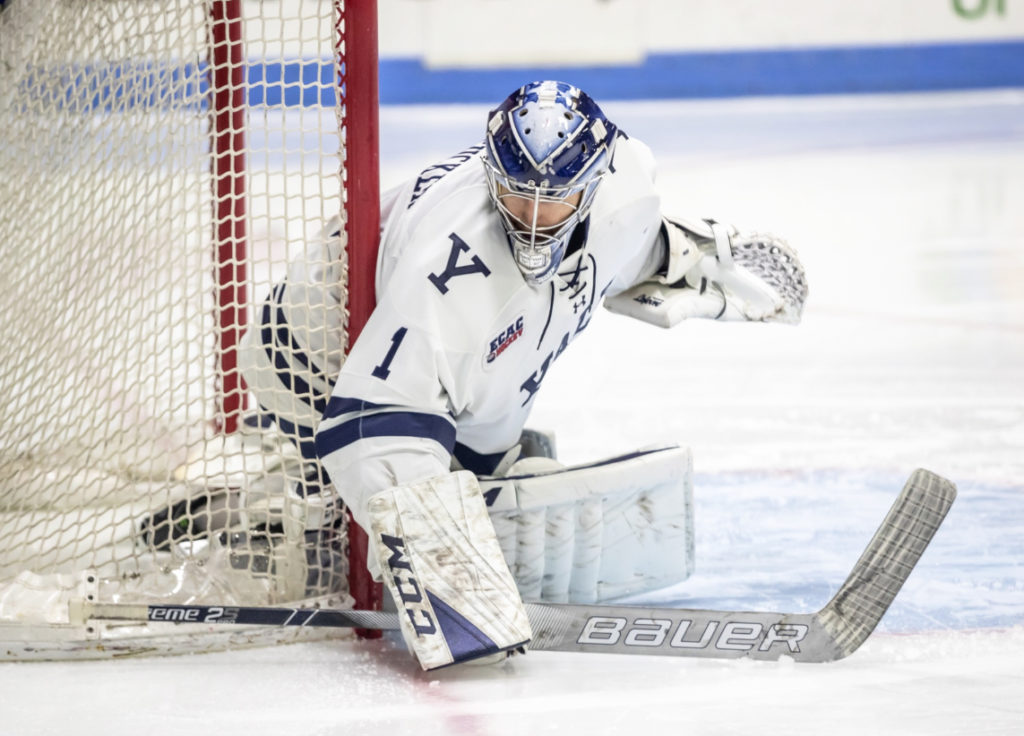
338,405
301,435
387,424
276,341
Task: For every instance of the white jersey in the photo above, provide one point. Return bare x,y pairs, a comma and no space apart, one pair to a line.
452,358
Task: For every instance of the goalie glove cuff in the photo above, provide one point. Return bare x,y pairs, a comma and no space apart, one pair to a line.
682,250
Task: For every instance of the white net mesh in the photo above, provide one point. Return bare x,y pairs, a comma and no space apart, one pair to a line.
113,388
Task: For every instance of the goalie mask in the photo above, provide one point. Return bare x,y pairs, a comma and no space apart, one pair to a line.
548,146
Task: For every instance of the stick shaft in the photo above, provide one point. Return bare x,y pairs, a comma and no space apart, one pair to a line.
242,615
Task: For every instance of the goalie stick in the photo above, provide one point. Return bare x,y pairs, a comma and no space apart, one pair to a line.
832,633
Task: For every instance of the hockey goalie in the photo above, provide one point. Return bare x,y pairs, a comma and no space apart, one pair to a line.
491,263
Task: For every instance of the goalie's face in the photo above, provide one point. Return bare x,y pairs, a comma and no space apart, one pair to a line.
538,227
538,212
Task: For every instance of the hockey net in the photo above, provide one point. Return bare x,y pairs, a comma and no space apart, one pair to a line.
162,163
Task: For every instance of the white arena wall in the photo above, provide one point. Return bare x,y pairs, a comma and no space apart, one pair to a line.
474,50
481,33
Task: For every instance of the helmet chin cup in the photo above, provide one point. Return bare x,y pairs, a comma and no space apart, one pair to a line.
537,257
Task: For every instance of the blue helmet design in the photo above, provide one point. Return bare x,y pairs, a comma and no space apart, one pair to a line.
548,146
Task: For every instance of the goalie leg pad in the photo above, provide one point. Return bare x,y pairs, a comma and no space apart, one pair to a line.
443,566
597,531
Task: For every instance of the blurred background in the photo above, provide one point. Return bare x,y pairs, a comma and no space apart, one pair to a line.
477,50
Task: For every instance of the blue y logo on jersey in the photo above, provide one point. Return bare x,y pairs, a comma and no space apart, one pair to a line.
452,269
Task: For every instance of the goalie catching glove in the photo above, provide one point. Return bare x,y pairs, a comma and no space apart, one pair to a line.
443,566
714,272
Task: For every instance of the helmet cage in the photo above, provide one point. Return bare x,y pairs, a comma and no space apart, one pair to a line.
538,250
547,142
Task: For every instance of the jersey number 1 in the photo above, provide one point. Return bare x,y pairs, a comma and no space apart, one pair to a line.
384,369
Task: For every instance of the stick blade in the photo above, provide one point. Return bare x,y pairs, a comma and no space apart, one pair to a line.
830,634
858,606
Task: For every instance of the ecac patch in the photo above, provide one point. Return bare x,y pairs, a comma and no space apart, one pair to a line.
508,336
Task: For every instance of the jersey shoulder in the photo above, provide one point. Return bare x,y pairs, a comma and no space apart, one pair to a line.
445,263
635,157
632,173
628,192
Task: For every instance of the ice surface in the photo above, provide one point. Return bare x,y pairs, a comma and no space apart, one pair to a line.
908,212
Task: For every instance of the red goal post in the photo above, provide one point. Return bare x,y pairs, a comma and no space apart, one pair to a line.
162,167
363,228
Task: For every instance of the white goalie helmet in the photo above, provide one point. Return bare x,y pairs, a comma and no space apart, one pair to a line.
548,146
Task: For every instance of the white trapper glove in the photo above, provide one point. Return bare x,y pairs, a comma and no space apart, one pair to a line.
715,273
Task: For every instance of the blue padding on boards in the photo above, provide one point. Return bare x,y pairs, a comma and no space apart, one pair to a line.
309,82
922,67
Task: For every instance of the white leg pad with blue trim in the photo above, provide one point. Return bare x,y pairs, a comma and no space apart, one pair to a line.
597,531
444,568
